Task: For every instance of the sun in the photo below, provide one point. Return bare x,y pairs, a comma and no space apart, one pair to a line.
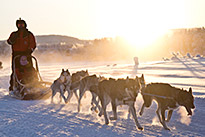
139,22
143,39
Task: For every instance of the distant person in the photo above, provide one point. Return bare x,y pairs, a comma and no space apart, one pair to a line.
22,42
189,55
136,61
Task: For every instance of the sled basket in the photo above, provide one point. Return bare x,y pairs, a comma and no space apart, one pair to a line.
29,91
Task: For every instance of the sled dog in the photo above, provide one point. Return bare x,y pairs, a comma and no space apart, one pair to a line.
61,85
84,85
118,92
75,78
167,98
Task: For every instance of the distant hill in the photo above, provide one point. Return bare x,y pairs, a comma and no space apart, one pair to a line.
57,39
48,42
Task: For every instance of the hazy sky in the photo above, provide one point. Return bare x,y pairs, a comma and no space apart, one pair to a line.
89,19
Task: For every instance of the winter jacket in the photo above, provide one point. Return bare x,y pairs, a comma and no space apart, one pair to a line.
22,41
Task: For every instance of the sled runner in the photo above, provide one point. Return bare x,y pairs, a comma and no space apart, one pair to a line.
27,82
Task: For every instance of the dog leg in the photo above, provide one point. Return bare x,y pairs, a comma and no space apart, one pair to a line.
81,93
53,94
62,88
95,103
132,109
93,108
62,95
70,94
163,119
98,106
101,112
76,95
114,110
169,115
142,109
158,113
103,103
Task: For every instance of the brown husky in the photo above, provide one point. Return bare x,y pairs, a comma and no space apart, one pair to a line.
118,92
168,98
75,78
84,85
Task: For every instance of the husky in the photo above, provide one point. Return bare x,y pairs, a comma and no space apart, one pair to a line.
167,98
75,78
85,84
118,92
61,85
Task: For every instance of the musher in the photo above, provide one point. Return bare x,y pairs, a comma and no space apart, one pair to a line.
23,43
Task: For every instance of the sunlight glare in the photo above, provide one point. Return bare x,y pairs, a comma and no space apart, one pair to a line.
139,22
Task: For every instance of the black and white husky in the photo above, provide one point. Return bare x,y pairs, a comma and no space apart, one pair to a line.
61,85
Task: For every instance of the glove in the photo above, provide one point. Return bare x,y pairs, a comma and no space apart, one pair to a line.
13,38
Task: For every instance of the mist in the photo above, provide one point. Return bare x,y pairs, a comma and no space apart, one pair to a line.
184,119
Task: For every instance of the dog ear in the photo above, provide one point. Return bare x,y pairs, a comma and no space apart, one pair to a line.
66,70
142,76
127,79
62,70
86,71
190,90
136,78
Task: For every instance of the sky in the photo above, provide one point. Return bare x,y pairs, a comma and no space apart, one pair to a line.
90,19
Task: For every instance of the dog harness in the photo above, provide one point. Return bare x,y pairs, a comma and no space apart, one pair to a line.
164,97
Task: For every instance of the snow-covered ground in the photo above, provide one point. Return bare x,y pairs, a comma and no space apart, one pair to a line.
41,118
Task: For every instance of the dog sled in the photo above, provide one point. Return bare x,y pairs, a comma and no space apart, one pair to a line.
28,86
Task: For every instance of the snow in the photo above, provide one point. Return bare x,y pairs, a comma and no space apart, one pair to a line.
41,118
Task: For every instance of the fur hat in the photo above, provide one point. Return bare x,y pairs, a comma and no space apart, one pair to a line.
19,21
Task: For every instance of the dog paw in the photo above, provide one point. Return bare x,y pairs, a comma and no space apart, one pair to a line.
140,113
106,122
78,110
140,128
167,121
113,118
166,128
99,114
92,108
